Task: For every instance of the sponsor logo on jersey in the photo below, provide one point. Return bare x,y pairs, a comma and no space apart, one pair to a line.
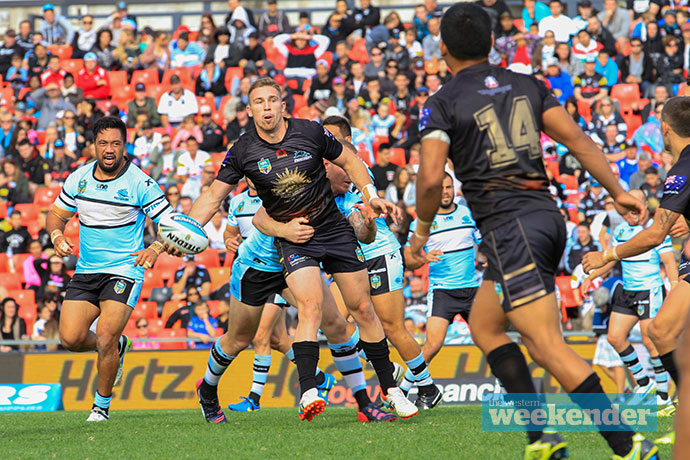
281,153
82,186
264,165
122,195
294,259
301,155
375,282
674,184
359,254
490,82
101,187
120,287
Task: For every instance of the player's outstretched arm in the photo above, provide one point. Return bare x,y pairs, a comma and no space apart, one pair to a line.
55,225
561,127
209,202
647,239
297,230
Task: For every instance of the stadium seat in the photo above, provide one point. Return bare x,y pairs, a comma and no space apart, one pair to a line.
12,281
185,78
41,137
4,263
25,298
72,66
585,110
156,325
209,258
328,57
569,181
219,277
213,307
29,211
567,294
194,71
18,262
307,113
146,310
300,102
45,196
29,313
233,75
173,333
209,101
3,209
217,160
62,51
520,25
553,167
117,80
160,295
625,94
152,279
156,91
397,157
167,265
170,307
632,121
149,77
359,51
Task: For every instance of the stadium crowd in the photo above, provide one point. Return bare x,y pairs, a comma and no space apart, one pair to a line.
183,96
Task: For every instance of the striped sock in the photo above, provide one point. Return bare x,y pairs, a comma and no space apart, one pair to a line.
420,371
629,357
290,355
262,363
661,377
347,362
218,361
407,382
319,373
102,401
359,344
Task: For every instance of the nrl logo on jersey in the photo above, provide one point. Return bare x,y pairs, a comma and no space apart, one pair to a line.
240,206
375,282
264,165
119,287
490,82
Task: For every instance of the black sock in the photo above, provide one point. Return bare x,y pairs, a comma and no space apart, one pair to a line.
378,355
306,360
254,397
320,378
362,399
508,364
670,366
619,441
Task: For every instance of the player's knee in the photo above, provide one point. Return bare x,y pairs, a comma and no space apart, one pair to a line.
72,342
647,342
107,342
432,346
310,311
363,310
616,341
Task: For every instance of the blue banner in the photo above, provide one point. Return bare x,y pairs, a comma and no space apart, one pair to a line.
30,398
569,412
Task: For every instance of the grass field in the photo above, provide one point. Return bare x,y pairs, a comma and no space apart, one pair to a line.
444,433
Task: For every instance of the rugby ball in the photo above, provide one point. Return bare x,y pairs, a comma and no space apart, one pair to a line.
183,233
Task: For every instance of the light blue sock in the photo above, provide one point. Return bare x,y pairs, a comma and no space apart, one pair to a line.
102,401
347,362
418,368
262,363
290,355
408,381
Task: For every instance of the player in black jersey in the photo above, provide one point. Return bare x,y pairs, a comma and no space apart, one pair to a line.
284,160
675,202
489,120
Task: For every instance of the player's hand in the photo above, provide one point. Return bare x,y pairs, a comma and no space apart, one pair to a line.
297,230
434,256
680,228
592,261
387,208
367,213
172,250
586,284
63,246
188,271
417,244
231,244
146,258
626,203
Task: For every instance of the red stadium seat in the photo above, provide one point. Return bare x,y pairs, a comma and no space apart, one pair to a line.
156,325
117,79
12,281
232,74
173,333
209,258
152,279
63,51
18,262
26,298
146,310
72,228
300,102
567,295
219,276
3,209
149,77
585,110
45,196
328,57
553,167
570,182
213,307
170,307
625,94
167,265
183,73
4,263
397,157
308,113
156,91
29,211
217,160
29,313
72,66
209,101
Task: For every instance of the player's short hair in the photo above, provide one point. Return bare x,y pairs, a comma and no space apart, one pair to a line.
110,123
341,122
447,175
676,113
263,82
466,31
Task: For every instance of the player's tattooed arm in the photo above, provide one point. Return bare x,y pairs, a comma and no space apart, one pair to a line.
363,221
650,237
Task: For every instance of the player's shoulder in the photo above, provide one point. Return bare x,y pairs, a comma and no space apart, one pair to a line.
237,199
308,127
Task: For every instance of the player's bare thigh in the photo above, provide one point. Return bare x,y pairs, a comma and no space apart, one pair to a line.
666,326
76,317
262,338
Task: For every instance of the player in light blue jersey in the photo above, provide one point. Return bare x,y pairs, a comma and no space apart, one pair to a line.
453,282
384,260
641,297
113,198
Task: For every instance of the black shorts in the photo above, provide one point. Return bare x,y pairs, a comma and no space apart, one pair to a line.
334,246
684,269
94,287
254,287
446,303
523,256
643,304
386,273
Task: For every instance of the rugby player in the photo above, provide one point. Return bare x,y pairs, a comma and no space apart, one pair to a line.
490,119
453,281
675,202
113,198
284,160
641,297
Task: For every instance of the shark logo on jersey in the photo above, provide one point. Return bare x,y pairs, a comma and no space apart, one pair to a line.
466,220
375,282
122,195
82,186
360,254
119,287
264,165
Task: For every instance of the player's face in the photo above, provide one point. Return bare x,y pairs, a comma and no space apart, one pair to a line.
340,181
110,150
266,108
447,193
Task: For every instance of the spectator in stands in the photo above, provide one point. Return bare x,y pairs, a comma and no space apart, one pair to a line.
212,134
147,140
7,131
17,75
494,9
163,164
607,114
239,124
400,188
25,37
9,48
562,26
653,186
233,5
301,49
37,60
53,273
156,55
254,57
416,295
207,31
55,28
184,53
240,29
600,34
216,226
16,240
639,177
357,82
585,46
85,38
87,115
627,166
211,81
104,50
219,49
183,314
592,203
31,278
72,94
33,166
590,86
13,326
366,16
685,29
607,67
144,332
615,19
202,326
128,51
669,24
571,108
92,79
176,104
431,43
613,144
14,186
544,50
338,27
321,86
669,66
69,132
187,128
638,66
53,74
189,167
142,102
575,249
375,68
39,329
412,44
241,95
533,12
384,171
561,83
60,165
273,21
191,275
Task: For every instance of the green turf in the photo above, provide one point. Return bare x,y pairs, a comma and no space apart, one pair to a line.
444,433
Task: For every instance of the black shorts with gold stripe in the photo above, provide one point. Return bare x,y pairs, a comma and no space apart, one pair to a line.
523,256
